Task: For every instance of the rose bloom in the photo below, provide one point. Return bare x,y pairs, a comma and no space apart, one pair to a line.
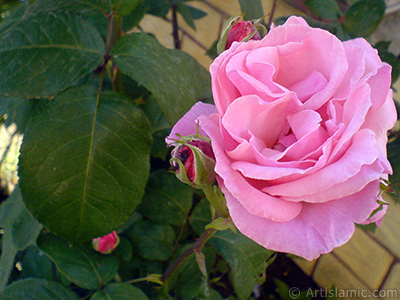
299,133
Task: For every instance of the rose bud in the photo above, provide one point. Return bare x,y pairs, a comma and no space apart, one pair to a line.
107,243
238,30
194,162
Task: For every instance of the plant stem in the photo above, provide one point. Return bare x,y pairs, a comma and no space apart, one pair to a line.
175,29
271,16
114,31
195,248
114,28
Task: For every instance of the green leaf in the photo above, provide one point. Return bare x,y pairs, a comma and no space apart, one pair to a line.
20,111
14,14
247,259
84,163
93,10
363,17
252,9
382,45
159,148
124,7
121,7
196,13
166,200
155,115
214,295
80,264
151,240
190,281
120,291
17,221
8,253
62,46
160,126
134,17
75,6
20,231
175,78
200,217
36,264
185,12
212,51
37,289
138,267
124,250
325,9
190,13
158,8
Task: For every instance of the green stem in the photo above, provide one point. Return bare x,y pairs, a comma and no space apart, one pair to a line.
114,32
217,201
136,280
195,248
114,29
155,278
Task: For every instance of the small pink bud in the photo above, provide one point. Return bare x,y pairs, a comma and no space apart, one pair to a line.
107,243
240,31
193,162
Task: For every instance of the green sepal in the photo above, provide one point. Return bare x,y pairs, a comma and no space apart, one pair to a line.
217,200
224,35
222,224
204,165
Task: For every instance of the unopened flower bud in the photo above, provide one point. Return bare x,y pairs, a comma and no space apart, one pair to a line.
193,162
107,243
237,30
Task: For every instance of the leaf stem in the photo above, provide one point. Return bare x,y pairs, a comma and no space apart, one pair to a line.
150,278
198,245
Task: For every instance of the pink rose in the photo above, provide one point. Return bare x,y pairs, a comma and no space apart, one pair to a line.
299,133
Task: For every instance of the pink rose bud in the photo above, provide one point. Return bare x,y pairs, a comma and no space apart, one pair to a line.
107,243
237,30
240,31
193,162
